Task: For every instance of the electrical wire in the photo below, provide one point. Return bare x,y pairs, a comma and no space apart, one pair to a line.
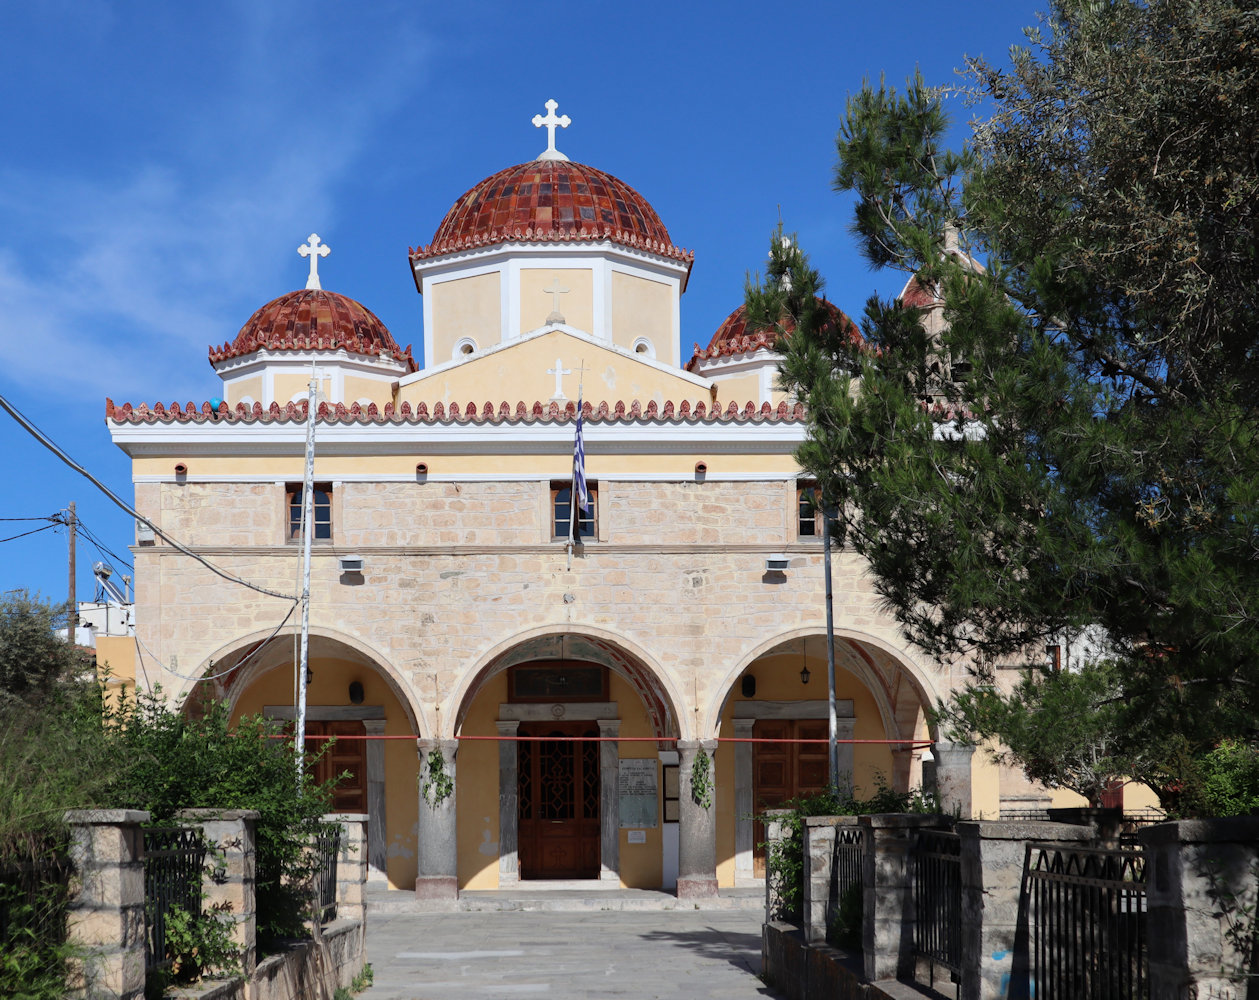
33,531
222,673
52,446
104,550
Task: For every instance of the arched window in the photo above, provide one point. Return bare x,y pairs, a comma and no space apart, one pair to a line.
322,519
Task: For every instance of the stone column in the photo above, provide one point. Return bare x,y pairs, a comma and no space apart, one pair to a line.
609,803
773,891
994,933
231,861
744,872
887,934
1202,884
697,847
437,878
953,778
819,875
508,805
377,833
106,919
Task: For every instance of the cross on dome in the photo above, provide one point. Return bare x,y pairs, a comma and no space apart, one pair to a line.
550,122
314,250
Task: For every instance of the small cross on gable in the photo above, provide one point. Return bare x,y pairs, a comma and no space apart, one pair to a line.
555,291
559,371
550,123
314,250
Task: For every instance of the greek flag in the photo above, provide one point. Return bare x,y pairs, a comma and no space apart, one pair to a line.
580,495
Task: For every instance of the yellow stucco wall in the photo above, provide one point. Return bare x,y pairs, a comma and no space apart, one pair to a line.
643,308
331,679
373,389
465,307
521,375
234,392
740,388
576,305
1136,797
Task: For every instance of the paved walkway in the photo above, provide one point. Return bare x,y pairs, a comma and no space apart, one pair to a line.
566,955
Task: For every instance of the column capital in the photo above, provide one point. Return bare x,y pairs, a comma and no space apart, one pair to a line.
609,727
374,727
744,727
507,727
448,748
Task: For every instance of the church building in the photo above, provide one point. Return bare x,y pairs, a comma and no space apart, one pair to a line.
514,708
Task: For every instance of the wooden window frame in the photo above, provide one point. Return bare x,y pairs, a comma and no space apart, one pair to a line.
588,525
293,513
805,489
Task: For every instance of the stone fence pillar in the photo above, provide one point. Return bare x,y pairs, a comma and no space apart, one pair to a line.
697,826
887,933
953,778
1202,895
437,880
994,931
231,862
352,861
106,917
775,833
819,875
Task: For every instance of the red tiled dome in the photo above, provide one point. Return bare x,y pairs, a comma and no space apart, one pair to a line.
545,200
735,337
314,320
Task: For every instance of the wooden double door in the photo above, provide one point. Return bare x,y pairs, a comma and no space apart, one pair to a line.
558,797
346,758
785,771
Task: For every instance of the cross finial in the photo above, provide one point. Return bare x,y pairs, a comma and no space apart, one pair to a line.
314,250
550,122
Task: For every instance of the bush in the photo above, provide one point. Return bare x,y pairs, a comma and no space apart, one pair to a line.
784,859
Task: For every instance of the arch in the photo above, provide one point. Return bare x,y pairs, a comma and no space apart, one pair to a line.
625,657
857,661
232,681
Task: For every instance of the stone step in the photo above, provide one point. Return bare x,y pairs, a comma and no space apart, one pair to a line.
563,900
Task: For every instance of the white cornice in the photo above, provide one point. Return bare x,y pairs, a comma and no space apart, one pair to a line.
458,260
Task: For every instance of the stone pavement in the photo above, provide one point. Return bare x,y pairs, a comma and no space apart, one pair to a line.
566,955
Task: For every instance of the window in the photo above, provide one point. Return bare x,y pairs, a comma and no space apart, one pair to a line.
809,512
561,501
322,512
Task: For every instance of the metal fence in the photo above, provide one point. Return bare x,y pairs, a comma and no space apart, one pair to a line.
33,897
849,859
1088,922
327,847
174,858
938,900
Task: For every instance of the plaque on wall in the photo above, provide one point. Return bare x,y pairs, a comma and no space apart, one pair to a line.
638,793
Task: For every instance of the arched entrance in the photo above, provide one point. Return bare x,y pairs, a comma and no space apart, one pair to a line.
577,729
355,704
774,721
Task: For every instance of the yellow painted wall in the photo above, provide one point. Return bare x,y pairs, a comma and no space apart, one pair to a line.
234,392
778,679
641,864
741,389
116,659
332,677
985,783
465,307
521,375
643,308
356,388
1136,796
576,305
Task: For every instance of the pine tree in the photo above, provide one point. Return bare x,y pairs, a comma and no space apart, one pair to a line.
1076,445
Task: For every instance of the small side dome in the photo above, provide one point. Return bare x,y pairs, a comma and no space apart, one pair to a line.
735,336
315,320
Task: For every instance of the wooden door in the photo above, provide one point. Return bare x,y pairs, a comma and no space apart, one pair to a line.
785,771
558,796
346,757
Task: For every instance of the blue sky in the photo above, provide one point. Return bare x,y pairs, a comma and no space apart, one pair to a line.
161,162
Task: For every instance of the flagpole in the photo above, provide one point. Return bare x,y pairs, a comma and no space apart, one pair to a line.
579,469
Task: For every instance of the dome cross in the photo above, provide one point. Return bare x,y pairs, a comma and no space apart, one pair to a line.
555,291
314,250
550,123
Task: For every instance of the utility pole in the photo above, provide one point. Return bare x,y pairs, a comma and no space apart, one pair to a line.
830,647
72,615
308,515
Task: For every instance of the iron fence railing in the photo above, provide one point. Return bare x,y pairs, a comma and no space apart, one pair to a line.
327,847
33,897
937,881
1087,911
849,859
174,858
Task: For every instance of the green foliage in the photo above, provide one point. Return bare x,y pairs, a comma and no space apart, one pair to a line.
1058,429
1224,781
845,927
34,952
33,658
702,779
784,858
170,762
1065,729
358,985
198,947
436,785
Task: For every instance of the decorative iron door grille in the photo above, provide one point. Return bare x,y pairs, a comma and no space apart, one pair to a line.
938,900
174,858
1088,923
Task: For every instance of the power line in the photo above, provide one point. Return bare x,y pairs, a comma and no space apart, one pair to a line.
52,446
101,547
35,531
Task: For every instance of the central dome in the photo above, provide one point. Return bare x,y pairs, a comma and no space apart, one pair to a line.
551,200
